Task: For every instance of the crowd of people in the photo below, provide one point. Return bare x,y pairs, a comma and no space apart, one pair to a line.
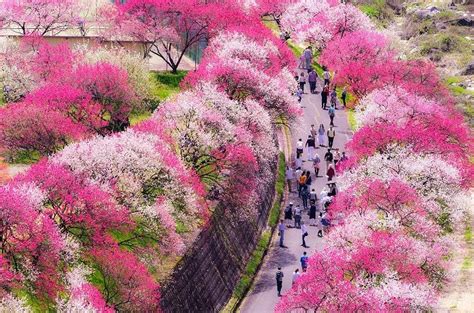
300,180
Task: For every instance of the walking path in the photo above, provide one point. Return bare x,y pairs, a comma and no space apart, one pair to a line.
263,296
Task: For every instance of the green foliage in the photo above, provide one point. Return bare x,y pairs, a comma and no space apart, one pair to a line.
444,42
351,119
252,266
137,117
279,188
25,157
170,79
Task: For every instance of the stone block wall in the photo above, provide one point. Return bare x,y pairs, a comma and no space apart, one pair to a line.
204,279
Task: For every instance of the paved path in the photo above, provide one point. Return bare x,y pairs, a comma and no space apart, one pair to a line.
263,296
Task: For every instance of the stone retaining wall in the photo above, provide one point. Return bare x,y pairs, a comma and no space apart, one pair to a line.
204,280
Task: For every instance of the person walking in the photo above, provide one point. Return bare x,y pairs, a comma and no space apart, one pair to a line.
308,57
337,157
299,148
309,180
332,114
290,176
296,275
314,132
326,77
312,213
304,261
304,233
289,213
324,96
331,172
321,135
316,164
279,280
311,144
344,96
312,79
281,233
305,197
331,134
302,81
328,157
302,183
313,195
297,216
334,97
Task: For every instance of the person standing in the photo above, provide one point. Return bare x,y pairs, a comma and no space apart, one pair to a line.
313,132
324,96
321,135
331,134
328,157
304,197
281,233
312,79
316,164
309,180
331,172
290,176
298,174
299,148
327,77
296,275
332,114
313,196
343,157
302,183
279,280
311,144
304,233
302,81
304,261
344,96
297,216
312,213
334,97
308,56
289,213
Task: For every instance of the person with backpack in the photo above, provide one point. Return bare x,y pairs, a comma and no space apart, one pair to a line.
279,280
324,96
344,96
332,114
331,134
304,261
328,157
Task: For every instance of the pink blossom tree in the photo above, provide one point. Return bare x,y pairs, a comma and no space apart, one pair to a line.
170,28
40,17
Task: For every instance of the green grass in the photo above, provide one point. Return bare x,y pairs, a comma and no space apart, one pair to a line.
280,189
351,119
138,117
452,83
26,157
